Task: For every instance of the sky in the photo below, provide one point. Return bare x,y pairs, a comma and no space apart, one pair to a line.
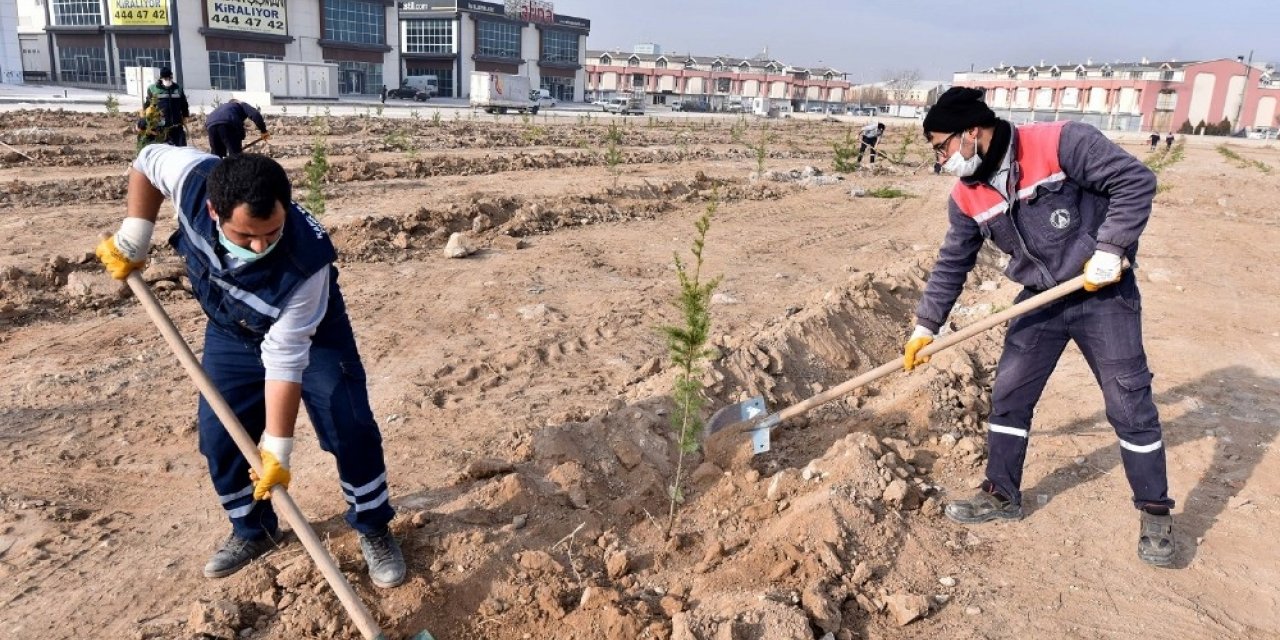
869,39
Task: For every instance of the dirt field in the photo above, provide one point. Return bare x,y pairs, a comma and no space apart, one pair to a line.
524,394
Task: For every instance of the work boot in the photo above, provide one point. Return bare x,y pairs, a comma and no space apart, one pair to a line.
382,554
1155,539
237,552
986,506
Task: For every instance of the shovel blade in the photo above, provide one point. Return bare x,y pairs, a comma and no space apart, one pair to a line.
744,411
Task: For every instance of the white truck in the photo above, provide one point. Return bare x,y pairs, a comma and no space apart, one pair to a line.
498,92
626,103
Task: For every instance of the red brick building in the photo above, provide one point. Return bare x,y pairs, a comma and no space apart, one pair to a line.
1132,96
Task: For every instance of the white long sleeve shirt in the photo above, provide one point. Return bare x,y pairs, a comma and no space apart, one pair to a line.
286,349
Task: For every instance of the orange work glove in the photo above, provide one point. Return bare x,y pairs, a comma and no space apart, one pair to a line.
920,338
116,262
273,473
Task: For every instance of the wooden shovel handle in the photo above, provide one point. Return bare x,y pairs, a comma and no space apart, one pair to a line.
952,339
280,498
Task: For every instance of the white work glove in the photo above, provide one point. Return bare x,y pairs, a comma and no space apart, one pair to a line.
1101,270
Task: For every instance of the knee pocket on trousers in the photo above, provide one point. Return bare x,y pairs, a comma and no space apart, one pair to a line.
1135,390
1135,381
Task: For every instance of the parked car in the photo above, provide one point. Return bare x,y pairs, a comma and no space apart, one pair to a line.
627,103
543,98
1263,133
405,92
691,105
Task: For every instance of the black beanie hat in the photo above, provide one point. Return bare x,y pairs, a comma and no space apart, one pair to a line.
165,72
957,109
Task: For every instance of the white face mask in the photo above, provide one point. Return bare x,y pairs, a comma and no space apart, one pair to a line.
166,83
962,167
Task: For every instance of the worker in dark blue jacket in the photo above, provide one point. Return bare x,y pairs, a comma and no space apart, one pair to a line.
225,127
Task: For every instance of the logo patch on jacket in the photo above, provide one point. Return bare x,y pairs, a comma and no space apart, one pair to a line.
1060,218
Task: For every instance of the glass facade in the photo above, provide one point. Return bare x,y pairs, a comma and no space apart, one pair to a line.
444,79
355,21
143,57
361,78
226,71
559,46
560,88
77,12
497,39
83,64
428,36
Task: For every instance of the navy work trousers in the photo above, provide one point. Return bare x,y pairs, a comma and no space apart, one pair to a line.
1107,327
226,139
336,400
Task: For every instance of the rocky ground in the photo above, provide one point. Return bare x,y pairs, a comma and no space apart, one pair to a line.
524,394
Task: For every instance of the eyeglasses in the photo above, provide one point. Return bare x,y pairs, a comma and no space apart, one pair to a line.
941,146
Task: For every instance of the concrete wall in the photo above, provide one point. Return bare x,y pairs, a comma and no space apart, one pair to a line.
10,51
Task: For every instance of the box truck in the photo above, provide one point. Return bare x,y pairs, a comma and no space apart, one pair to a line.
499,92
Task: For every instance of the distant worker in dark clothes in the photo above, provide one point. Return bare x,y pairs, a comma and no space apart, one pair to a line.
1168,141
171,103
1155,140
226,127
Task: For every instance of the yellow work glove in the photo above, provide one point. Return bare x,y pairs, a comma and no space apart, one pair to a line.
273,473
265,136
1101,270
116,262
920,338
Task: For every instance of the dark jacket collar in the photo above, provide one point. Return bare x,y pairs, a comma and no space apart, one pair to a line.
996,149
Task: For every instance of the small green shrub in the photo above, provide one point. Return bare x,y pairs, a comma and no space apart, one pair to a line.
317,167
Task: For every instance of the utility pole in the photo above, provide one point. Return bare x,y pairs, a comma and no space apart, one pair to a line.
1244,89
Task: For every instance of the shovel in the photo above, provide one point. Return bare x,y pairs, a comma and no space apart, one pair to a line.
279,496
746,417
256,141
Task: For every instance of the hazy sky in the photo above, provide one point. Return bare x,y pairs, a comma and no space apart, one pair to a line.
867,38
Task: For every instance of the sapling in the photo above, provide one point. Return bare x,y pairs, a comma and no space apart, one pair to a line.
687,345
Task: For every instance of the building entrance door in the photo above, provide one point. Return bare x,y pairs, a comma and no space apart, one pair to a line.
355,81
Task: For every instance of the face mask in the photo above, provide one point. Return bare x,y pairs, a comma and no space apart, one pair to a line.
166,83
960,167
243,253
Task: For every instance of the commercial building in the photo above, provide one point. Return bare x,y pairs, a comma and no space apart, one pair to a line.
449,40
1144,95
716,81
372,42
903,98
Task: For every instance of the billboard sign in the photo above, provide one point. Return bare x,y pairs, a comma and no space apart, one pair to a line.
139,13
254,16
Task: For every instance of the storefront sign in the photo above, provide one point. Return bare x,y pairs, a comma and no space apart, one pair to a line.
539,11
140,13
481,7
254,16
573,23
418,6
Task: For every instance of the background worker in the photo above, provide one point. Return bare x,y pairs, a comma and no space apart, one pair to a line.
171,103
1056,197
870,136
225,126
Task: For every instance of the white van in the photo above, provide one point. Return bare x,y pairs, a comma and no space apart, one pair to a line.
425,84
543,98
